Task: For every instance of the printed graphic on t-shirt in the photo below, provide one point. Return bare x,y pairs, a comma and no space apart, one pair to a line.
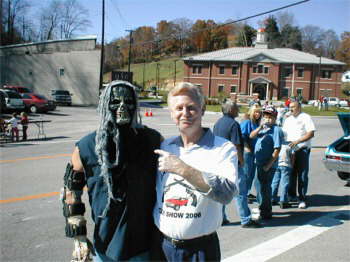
179,196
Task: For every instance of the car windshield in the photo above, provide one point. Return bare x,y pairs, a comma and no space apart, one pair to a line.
13,95
24,90
61,92
41,97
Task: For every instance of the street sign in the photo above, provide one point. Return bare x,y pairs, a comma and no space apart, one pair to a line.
122,75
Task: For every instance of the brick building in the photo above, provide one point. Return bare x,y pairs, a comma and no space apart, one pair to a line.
273,73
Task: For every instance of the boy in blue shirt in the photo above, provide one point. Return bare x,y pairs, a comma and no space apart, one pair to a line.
268,145
282,175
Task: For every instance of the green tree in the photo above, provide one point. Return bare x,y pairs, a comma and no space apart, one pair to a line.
291,37
246,35
273,35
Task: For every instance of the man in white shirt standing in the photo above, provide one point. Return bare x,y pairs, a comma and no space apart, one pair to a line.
299,129
197,175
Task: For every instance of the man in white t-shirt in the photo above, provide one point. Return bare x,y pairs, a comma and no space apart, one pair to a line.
299,129
197,174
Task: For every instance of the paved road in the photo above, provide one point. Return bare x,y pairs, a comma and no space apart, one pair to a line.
32,226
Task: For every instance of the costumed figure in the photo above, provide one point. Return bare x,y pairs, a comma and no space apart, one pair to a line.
117,165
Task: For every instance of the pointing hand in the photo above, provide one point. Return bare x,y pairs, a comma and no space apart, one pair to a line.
169,163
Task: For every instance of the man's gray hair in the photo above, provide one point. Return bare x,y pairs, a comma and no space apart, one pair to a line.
186,88
228,105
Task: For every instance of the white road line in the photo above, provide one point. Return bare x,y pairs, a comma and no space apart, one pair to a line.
286,241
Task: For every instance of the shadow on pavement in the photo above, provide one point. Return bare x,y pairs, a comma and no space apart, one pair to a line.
27,142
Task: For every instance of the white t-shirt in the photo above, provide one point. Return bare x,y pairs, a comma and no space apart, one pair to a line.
13,121
296,127
181,211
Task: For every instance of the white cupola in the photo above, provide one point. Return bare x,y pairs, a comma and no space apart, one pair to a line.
261,39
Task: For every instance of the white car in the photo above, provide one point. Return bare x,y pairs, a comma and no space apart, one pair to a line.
13,101
333,101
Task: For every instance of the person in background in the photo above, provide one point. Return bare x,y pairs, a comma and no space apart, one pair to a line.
117,164
24,123
228,128
281,176
268,145
249,167
299,129
197,175
13,122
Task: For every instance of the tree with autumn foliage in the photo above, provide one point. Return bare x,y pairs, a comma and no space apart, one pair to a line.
343,51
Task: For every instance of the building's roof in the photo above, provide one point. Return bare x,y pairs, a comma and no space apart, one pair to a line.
278,55
79,38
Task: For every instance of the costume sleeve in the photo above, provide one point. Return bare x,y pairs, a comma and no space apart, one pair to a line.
223,183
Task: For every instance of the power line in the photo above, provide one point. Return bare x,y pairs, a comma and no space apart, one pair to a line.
223,24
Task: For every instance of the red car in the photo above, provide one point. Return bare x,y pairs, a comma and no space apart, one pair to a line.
35,103
18,89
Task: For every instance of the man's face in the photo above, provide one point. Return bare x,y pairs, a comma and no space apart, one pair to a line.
294,108
122,104
186,113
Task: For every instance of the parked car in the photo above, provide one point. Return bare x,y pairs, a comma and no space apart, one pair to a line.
18,89
13,101
344,102
36,103
333,101
337,154
62,97
2,102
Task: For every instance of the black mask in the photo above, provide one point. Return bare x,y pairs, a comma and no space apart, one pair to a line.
122,104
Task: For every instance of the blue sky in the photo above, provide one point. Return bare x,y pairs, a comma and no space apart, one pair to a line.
130,14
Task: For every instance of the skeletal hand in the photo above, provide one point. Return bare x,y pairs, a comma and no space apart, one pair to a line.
82,249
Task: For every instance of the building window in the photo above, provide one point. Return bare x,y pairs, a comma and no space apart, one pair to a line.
61,72
287,71
221,88
326,74
196,69
300,72
284,92
299,92
260,69
234,70
221,70
233,89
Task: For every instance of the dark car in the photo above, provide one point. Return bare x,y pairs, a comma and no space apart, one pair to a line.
62,97
36,103
337,154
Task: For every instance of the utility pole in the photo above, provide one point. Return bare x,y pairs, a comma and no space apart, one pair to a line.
102,47
157,79
175,71
130,42
143,73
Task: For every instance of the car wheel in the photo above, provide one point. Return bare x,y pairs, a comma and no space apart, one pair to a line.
343,175
33,109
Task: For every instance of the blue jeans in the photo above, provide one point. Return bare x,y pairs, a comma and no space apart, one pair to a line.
241,199
300,174
281,175
264,190
249,169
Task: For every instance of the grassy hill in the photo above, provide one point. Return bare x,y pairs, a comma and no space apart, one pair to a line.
147,73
